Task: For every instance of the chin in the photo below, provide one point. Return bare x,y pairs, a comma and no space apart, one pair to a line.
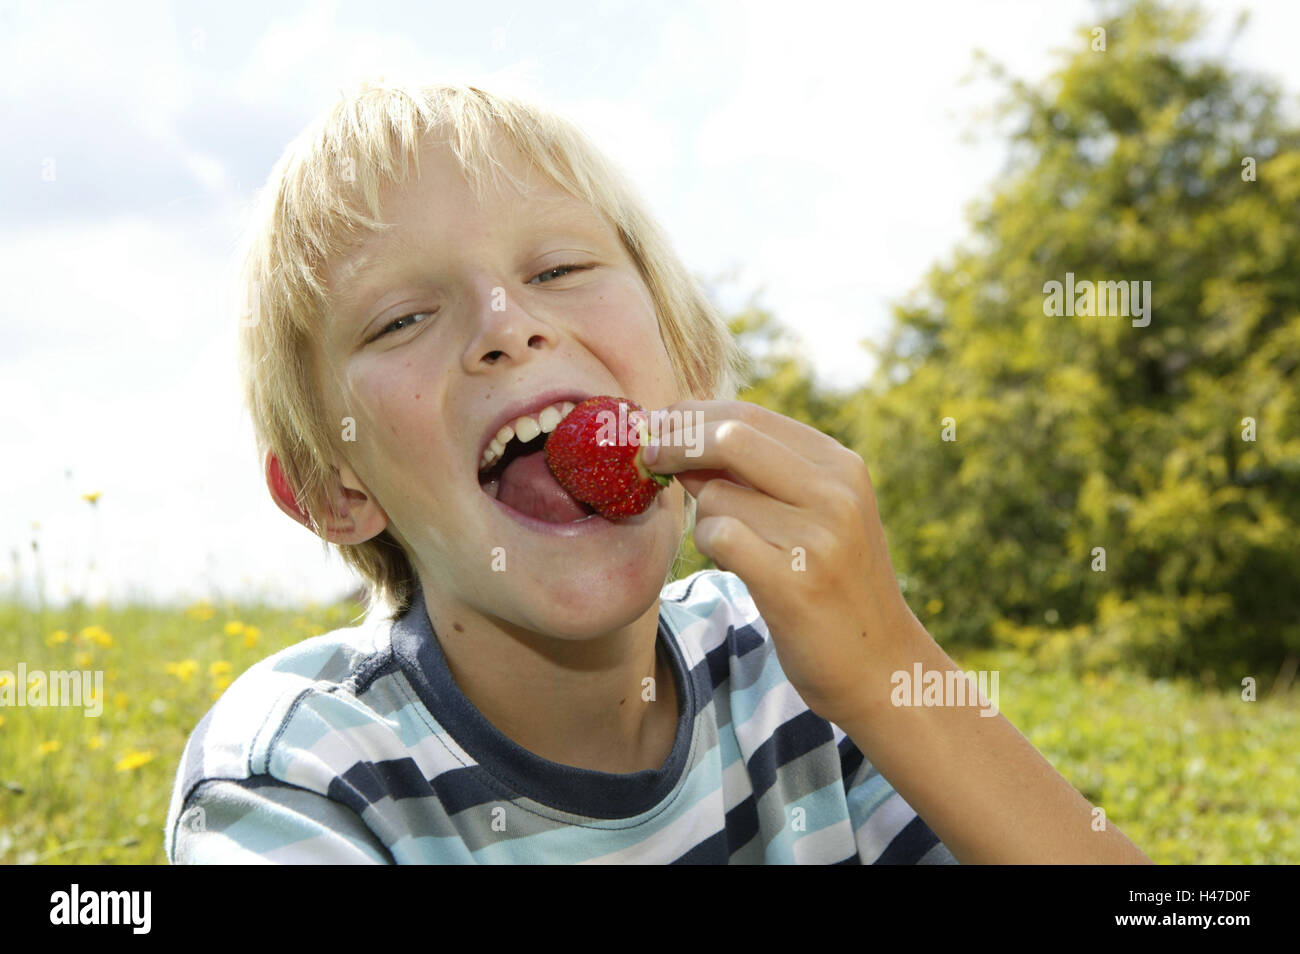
590,602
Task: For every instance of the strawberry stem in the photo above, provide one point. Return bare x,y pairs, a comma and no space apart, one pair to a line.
644,472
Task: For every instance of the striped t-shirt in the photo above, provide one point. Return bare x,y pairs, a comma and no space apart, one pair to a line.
357,746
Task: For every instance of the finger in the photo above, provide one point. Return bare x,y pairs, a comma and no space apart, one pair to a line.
776,522
738,549
694,480
759,461
805,440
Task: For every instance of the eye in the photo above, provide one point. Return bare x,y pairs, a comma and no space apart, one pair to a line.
404,322
559,268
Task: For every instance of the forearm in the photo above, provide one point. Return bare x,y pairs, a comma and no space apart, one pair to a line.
978,783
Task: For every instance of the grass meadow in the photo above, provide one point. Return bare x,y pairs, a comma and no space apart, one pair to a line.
1192,776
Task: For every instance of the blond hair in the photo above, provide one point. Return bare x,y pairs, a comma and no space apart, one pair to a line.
322,198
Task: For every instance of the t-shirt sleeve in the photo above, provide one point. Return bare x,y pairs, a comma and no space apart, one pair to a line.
260,820
886,829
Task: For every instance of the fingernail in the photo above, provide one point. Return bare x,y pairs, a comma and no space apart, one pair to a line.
649,453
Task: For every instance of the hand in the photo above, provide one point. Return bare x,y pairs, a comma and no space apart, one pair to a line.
791,512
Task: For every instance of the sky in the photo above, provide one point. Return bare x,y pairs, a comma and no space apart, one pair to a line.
816,163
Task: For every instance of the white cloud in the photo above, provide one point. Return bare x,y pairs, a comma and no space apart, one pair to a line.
128,380
817,151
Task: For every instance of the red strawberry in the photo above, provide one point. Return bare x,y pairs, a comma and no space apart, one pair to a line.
595,454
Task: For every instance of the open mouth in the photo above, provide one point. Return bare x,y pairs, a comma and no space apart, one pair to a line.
521,480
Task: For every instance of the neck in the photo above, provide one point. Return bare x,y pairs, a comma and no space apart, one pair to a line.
583,703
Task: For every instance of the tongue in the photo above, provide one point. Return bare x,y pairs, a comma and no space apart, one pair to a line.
528,486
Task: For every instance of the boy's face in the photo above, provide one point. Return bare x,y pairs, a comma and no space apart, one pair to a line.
499,322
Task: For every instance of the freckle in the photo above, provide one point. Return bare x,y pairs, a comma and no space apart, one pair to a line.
459,628
417,397
623,700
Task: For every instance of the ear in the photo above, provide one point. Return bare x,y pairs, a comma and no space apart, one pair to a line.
357,516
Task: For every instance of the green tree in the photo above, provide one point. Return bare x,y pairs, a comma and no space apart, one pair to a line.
1132,163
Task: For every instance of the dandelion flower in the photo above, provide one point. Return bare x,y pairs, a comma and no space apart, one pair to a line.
221,683
83,660
134,759
56,637
251,635
219,668
92,498
119,701
97,635
45,748
234,628
2,720
201,611
183,670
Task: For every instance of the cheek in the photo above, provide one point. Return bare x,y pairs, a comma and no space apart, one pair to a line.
395,410
377,399
629,343
639,359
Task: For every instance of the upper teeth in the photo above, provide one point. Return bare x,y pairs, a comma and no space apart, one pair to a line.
525,428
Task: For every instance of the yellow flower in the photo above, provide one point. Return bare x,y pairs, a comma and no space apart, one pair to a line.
251,634
45,748
4,679
2,720
95,743
934,606
201,611
97,635
234,628
56,637
92,497
221,682
219,668
134,759
83,660
183,670
119,701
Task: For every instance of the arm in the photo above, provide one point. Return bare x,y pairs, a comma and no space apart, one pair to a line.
792,513
978,783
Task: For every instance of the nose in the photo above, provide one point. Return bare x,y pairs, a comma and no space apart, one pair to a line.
505,331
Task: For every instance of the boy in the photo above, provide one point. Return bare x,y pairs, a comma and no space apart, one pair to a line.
525,687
